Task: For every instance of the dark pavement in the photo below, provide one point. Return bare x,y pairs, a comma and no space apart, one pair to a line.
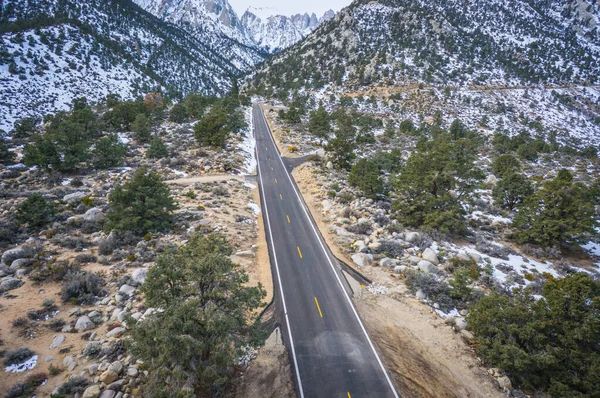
331,352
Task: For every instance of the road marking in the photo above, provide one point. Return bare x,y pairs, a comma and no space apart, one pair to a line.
349,396
272,169
320,313
320,239
299,252
287,319
281,196
276,181
266,149
289,221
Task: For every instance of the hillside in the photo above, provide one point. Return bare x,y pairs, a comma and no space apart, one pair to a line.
519,42
54,51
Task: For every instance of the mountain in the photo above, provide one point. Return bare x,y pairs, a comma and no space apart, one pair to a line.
52,51
273,32
212,22
452,42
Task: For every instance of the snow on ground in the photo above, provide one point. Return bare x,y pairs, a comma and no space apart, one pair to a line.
22,367
255,208
248,145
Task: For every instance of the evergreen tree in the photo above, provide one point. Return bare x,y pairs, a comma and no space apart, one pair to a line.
25,127
343,145
512,190
365,176
193,342
178,113
142,127
319,124
6,156
157,149
390,130
457,130
548,343
212,129
560,213
505,164
35,211
108,152
141,205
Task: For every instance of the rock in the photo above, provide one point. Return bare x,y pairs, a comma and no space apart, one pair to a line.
84,323
116,367
360,246
74,197
18,263
14,254
132,371
116,332
426,266
49,358
127,290
246,254
108,377
460,324
475,257
412,237
491,180
329,165
387,262
93,369
96,317
91,392
466,335
362,259
399,269
108,394
327,206
70,363
139,276
21,273
10,283
94,215
431,256
58,340
504,383
116,385
115,315
420,295
414,260
375,246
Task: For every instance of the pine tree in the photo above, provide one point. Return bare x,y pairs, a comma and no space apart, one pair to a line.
157,149
505,164
6,156
343,145
192,343
319,124
365,176
560,213
142,127
512,190
108,152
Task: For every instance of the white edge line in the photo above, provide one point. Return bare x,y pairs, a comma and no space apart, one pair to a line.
310,220
287,321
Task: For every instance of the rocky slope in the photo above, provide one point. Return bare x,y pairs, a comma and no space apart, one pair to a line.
446,42
273,32
52,52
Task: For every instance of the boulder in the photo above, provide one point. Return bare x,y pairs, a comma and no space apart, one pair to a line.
96,317
93,369
362,259
108,377
70,363
94,215
412,237
414,260
139,276
116,367
327,206
58,340
74,197
246,254
420,295
132,371
127,290
431,256
387,262
91,392
460,324
10,283
504,383
399,269
108,394
14,254
84,323
426,266
360,246
18,263
116,332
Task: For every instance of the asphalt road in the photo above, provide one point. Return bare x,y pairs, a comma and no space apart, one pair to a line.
332,354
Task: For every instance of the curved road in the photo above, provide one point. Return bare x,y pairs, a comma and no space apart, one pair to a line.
331,351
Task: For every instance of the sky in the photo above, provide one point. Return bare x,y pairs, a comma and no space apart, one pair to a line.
291,7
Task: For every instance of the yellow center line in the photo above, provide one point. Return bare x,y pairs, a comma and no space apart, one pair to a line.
266,149
276,181
272,169
281,196
299,252
349,396
321,314
288,217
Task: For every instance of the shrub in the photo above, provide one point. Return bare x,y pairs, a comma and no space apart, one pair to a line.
82,288
550,343
75,385
56,324
53,271
35,211
220,190
20,322
505,164
141,205
6,156
178,113
54,370
436,291
19,390
17,356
